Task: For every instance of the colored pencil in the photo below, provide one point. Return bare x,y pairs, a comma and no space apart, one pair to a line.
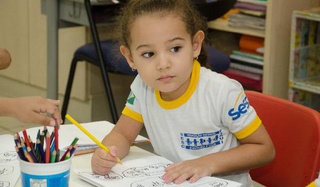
67,156
42,138
89,135
41,151
56,137
31,143
32,155
26,138
57,155
52,137
53,156
16,140
73,149
26,154
75,140
47,158
21,153
45,149
52,147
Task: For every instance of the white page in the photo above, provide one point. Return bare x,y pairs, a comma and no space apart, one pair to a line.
144,169
9,163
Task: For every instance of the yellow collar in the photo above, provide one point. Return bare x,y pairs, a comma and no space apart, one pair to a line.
185,96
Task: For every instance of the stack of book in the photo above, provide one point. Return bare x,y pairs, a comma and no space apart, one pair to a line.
246,64
251,15
252,7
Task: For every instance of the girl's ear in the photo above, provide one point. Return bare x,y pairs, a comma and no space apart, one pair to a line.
127,54
197,43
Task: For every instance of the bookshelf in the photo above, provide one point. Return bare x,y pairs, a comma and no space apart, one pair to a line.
304,71
277,42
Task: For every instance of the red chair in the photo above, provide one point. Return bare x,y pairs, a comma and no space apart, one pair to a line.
295,132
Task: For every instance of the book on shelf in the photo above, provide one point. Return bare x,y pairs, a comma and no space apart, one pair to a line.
256,2
251,5
244,67
245,81
251,44
248,54
252,12
250,75
236,58
246,21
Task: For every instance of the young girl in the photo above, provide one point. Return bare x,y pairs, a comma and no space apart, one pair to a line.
199,119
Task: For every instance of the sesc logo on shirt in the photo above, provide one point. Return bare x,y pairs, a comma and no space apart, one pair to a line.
237,111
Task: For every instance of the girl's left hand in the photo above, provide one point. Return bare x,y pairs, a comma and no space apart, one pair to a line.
191,170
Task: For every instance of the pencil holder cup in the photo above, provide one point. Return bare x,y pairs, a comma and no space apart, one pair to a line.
45,174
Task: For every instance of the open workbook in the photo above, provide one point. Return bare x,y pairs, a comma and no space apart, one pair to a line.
144,169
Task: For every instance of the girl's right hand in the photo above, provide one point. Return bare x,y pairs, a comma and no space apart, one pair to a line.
102,162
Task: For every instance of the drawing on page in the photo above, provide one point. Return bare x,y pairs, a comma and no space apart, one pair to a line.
4,184
5,170
158,182
8,156
153,181
150,170
217,183
111,176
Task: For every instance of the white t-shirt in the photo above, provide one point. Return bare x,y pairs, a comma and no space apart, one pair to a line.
207,118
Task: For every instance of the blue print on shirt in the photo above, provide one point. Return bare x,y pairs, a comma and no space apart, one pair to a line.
200,141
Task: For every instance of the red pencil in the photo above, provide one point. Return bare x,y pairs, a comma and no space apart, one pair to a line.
26,138
56,137
47,159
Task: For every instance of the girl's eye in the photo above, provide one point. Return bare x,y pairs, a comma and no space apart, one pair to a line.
148,54
175,49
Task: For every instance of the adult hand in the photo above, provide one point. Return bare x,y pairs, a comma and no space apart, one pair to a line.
34,110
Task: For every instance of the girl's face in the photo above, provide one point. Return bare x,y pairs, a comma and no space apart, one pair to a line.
163,51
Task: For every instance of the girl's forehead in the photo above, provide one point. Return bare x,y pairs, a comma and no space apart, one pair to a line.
158,22
169,19
156,28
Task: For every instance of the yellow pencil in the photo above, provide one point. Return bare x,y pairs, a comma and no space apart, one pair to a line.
89,134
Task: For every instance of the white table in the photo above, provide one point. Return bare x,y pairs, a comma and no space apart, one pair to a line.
83,162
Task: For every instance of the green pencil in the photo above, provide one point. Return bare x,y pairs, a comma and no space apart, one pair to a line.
53,156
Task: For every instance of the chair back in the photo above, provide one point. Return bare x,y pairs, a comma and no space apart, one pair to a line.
295,132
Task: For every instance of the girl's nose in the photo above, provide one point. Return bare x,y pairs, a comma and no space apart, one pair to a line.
163,62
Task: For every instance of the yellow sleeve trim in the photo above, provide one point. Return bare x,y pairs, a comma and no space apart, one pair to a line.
313,184
255,124
132,114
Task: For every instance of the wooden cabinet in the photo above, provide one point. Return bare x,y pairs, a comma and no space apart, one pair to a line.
277,42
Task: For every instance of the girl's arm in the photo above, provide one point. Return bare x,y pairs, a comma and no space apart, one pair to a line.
123,135
118,141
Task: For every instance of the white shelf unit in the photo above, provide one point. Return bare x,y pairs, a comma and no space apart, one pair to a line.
277,42
304,71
